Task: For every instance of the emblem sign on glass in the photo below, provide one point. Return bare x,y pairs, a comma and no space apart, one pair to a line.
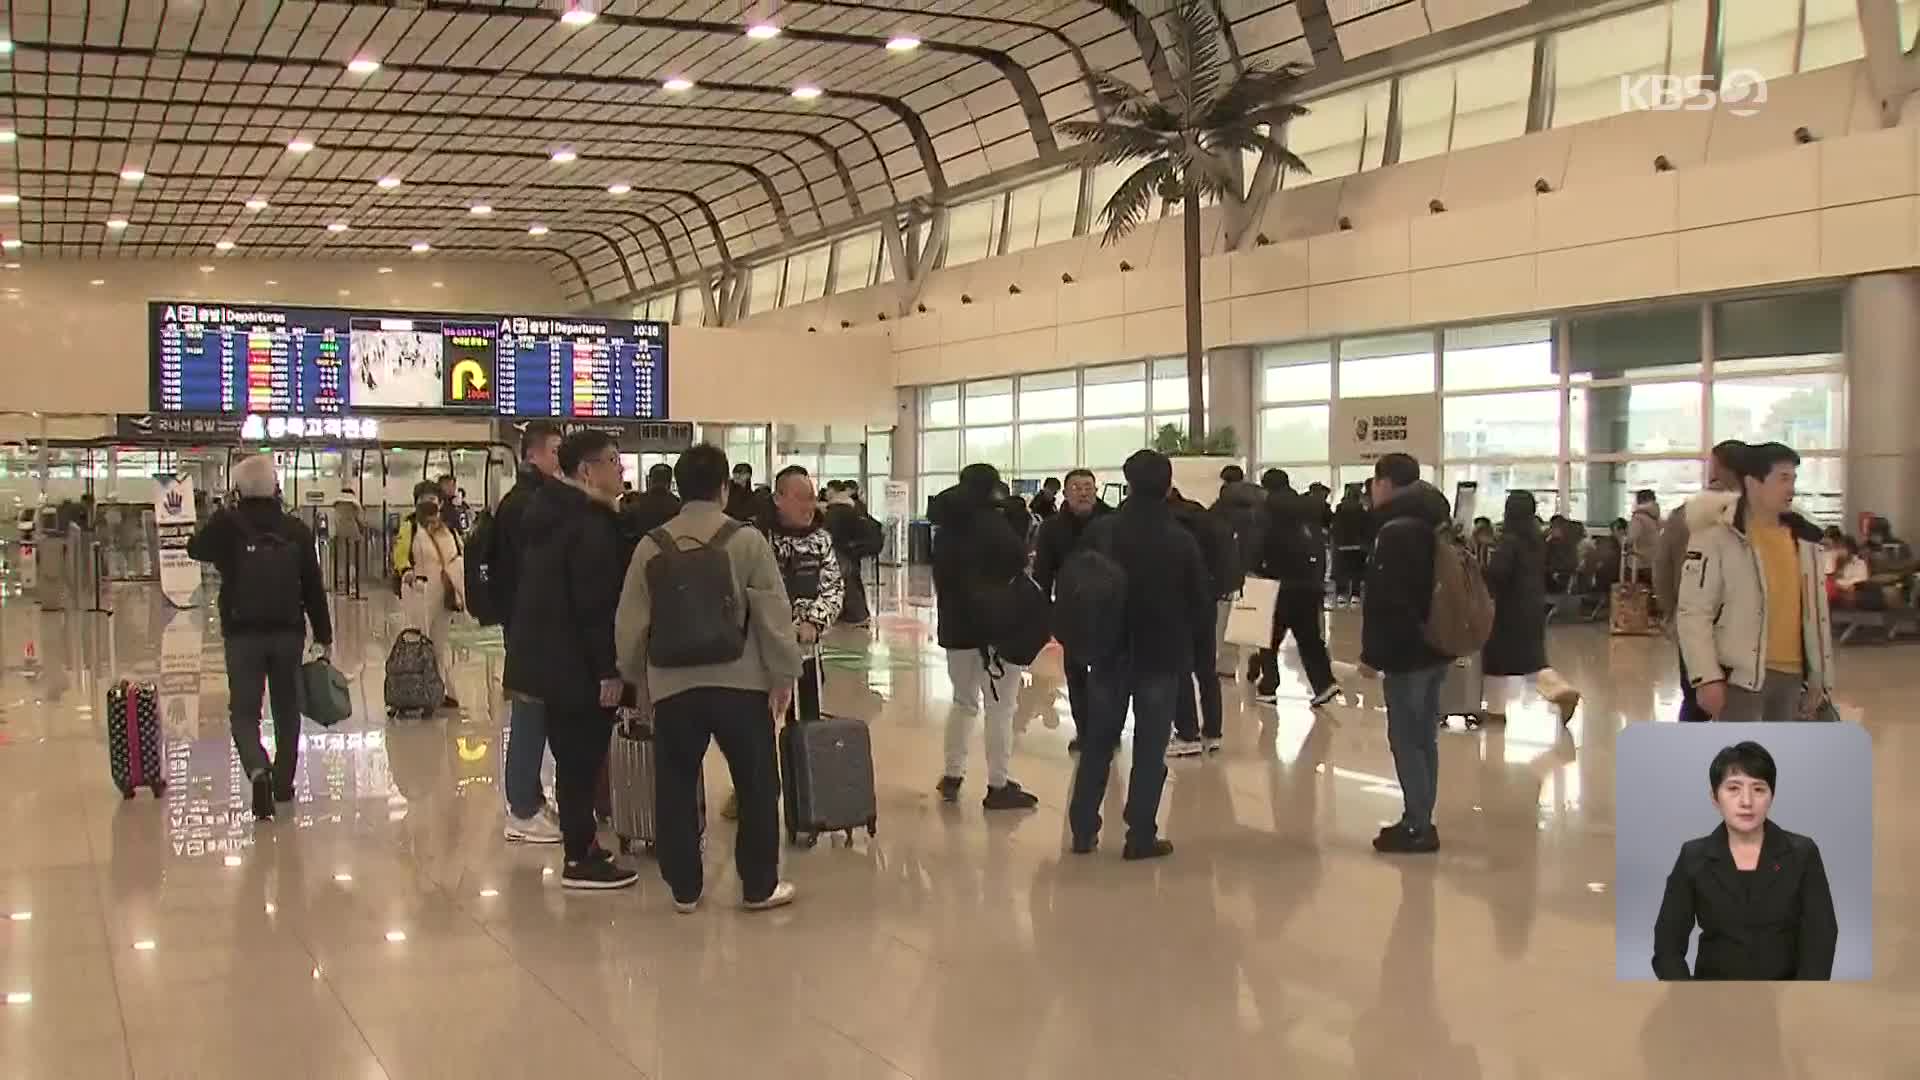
317,362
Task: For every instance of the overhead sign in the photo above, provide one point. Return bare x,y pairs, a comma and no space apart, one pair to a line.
251,428
634,436
1366,429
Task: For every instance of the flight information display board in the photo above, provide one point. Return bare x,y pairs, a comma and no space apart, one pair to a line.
236,358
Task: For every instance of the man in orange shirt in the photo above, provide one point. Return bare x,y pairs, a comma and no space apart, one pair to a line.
1753,622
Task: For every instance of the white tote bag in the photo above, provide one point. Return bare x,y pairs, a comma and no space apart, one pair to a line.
1250,623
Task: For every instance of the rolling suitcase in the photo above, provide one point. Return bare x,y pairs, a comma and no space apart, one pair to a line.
826,775
1630,602
413,682
134,746
1463,692
629,773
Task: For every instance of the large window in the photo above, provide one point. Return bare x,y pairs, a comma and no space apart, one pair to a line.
1594,64
1472,102
1498,357
1296,388
806,276
854,261
973,231
690,308
1774,38
763,286
1391,364
1341,134
1042,213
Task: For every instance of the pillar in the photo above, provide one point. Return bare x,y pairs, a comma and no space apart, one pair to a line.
1606,433
1233,398
906,435
1883,381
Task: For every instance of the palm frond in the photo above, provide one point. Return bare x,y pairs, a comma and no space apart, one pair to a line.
1257,89
1268,146
1103,142
1128,207
1196,58
1119,98
1212,175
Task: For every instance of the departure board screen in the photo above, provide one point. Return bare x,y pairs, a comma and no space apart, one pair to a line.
234,358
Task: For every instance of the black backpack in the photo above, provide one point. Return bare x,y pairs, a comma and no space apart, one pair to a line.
1017,617
1219,550
263,587
869,539
697,617
1090,605
482,604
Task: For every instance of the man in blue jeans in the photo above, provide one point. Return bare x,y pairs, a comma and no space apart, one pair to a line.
1169,623
1393,641
530,819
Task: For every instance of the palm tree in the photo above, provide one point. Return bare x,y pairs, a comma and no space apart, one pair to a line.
1190,140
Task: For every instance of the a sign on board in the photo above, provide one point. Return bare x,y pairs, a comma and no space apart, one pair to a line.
1366,429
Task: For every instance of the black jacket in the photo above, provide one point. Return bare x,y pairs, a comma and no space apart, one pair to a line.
748,504
1244,507
560,643
1060,534
1043,505
1351,526
1170,603
974,548
1517,577
649,510
1400,582
1775,922
1293,550
1219,552
509,537
218,542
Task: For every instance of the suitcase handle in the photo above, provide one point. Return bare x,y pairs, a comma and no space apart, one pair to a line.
136,770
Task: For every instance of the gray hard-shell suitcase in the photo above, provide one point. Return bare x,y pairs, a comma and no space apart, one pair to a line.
630,790
826,773
1463,692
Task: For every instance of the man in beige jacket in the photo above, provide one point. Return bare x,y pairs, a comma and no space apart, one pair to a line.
726,688
1723,487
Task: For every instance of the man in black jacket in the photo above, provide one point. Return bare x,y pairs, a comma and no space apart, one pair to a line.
270,589
1393,642
1200,729
975,553
1060,535
1294,553
529,818
1169,621
560,644
652,508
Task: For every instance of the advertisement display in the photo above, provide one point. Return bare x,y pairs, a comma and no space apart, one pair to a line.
1366,429
173,521
217,358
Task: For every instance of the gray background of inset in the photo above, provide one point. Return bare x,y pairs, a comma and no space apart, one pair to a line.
1824,790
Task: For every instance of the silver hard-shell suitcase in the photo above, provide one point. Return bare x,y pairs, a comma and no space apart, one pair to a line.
630,790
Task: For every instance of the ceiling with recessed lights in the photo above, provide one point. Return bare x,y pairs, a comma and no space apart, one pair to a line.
623,143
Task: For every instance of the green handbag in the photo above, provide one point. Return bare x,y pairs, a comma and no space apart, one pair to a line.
324,693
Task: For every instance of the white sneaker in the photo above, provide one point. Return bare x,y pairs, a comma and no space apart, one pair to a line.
1185,748
780,897
1212,745
689,907
1325,697
538,829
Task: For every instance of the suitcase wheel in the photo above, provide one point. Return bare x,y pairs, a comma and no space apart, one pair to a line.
625,845
873,827
126,793
812,840
159,788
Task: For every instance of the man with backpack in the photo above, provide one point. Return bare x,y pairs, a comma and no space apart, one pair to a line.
560,645
977,557
1059,537
1200,730
1138,602
1294,554
493,581
1394,641
857,537
706,636
270,590
1243,506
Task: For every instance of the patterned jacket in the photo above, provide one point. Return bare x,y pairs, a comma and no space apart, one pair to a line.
810,570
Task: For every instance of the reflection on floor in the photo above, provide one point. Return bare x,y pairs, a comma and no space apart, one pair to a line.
384,929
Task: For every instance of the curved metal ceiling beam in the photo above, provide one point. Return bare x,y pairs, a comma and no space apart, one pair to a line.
1151,54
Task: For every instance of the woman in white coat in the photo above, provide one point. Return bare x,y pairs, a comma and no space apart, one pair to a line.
436,585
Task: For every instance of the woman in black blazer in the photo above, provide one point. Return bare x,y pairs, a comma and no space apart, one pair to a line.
1758,892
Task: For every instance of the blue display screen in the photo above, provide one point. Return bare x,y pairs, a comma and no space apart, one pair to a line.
224,358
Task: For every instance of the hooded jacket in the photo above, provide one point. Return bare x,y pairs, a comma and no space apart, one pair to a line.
560,642
509,538
1243,504
1170,597
974,548
1400,581
809,569
1294,544
1059,537
1674,536
1722,611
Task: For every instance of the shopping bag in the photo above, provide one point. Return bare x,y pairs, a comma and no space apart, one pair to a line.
1250,623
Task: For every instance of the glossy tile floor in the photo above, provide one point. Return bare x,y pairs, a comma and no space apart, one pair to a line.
384,929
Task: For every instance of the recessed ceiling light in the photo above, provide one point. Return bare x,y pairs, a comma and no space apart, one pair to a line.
439,284
7,135
9,199
11,243
480,209
116,224
536,230
13,266
98,281
677,84
346,292
132,175
763,31
903,43
21,916
421,247
387,182
396,936
256,205
806,93
223,245
144,945
363,65
270,281
385,270
488,894
564,157
577,16
206,269
5,46
338,226
19,997
619,189
299,146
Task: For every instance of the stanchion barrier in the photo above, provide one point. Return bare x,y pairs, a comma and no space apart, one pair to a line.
99,576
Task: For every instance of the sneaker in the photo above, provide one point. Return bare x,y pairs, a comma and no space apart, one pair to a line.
1266,696
687,907
1212,743
950,788
597,873
780,897
1073,745
1325,697
1159,849
1566,702
262,798
538,829
1009,796
1087,846
1405,841
282,794
1184,748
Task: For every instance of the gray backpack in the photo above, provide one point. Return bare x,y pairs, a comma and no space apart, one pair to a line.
413,682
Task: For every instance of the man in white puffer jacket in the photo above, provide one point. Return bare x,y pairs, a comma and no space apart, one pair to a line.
1753,621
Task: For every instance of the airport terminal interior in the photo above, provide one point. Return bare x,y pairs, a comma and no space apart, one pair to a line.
1556,246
